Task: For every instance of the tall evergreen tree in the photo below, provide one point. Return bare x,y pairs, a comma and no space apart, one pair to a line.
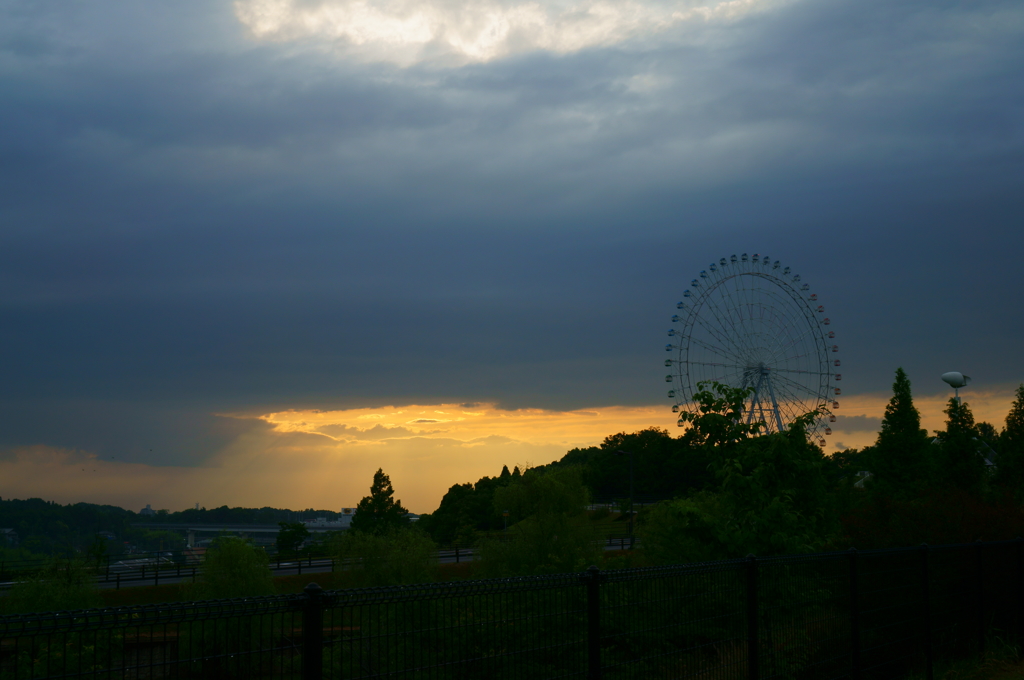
963,465
379,512
900,456
1011,447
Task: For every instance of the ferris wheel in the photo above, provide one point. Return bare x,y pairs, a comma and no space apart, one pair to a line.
751,323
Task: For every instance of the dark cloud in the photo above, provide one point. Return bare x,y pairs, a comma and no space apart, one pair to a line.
171,433
195,224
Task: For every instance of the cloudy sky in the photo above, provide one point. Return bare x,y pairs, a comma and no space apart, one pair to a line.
252,250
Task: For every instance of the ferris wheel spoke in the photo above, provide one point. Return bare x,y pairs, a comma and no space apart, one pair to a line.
720,373
721,351
741,304
791,398
794,370
801,395
798,341
724,335
789,383
722,316
712,363
707,372
785,343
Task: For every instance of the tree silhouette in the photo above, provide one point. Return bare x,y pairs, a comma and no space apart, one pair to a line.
963,465
290,538
901,451
1011,447
379,512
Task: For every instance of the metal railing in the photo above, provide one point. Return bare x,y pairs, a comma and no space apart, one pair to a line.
871,614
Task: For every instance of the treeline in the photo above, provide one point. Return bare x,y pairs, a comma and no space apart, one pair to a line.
49,528
725,491
664,467
226,515
46,528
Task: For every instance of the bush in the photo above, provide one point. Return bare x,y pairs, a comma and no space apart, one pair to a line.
552,534
684,530
394,557
233,567
62,585
550,543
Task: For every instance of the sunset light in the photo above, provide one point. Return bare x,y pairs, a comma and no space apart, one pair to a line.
311,458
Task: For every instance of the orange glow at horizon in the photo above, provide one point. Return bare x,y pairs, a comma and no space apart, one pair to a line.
326,459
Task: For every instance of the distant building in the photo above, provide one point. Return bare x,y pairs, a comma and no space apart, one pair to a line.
147,511
10,537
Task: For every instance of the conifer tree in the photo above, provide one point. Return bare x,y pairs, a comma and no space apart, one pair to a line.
379,512
901,451
963,464
1011,447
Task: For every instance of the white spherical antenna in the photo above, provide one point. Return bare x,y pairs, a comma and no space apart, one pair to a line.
955,379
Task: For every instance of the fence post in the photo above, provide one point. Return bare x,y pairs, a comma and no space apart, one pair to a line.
854,617
593,580
753,671
927,611
312,633
456,554
979,575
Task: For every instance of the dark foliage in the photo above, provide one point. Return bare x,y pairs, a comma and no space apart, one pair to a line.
900,457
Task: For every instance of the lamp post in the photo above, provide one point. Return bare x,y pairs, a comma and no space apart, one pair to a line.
630,454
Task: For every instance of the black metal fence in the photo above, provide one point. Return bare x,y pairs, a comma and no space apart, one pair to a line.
871,614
